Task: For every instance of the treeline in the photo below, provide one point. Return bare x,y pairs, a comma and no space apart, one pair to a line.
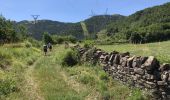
148,25
10,33
56,39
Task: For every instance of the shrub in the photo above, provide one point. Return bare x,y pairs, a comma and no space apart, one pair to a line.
103,75
72,39
47,38
7,86
61,39
71,58
30,61
34,42
88,44
28,44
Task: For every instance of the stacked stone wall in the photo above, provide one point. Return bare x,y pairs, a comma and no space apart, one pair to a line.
142,72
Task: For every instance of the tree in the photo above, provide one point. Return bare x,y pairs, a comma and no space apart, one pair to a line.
47,38
22,30
135,38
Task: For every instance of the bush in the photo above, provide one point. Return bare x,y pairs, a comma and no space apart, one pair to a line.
71,58
61,39
47,38
28,44
7,86
88,44
30,61
103,75
72,39
34,42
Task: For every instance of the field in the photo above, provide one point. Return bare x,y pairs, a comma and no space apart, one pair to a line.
161,50
30,75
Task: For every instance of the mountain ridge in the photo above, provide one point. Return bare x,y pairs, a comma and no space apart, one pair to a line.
94,24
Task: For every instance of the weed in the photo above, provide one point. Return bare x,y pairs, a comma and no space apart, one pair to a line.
71,58
86,79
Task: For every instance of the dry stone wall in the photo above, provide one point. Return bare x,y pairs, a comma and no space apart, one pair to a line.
136,71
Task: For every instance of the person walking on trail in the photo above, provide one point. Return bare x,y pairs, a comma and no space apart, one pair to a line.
66,45
45,49
50,46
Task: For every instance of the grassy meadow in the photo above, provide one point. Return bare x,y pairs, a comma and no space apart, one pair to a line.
26,74
161,50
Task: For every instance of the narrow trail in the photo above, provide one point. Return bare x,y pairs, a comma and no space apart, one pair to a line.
78,87
73,83
31,87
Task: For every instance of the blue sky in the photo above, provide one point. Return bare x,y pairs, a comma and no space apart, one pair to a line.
71,10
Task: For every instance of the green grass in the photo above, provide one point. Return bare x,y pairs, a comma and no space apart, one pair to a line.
78,82
161,50
15,58
55,82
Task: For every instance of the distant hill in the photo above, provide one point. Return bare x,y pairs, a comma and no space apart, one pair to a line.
148,25
93,24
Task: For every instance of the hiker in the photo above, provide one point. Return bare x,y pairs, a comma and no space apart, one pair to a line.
45,49
66,45
50,46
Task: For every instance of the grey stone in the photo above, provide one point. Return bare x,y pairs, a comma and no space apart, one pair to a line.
139,71
136,62
164,67
162,83
130,61
116,59
151,63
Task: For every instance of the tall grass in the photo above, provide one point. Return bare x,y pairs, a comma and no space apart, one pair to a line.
14,59
160,50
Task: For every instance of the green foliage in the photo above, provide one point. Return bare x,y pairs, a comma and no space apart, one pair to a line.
97,23
148,25
14,61
102,86
103,76
94,25
7,32
7,86
86,79
23,31
88,43
60,39
57,39
47,38
34,43
28,44
70,58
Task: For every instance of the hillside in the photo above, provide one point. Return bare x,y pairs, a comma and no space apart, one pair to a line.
148,25
93,24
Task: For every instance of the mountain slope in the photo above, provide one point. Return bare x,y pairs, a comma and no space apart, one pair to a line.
148,25
94,25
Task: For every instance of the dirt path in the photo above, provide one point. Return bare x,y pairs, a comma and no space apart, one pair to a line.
31,88
73,83
78,87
